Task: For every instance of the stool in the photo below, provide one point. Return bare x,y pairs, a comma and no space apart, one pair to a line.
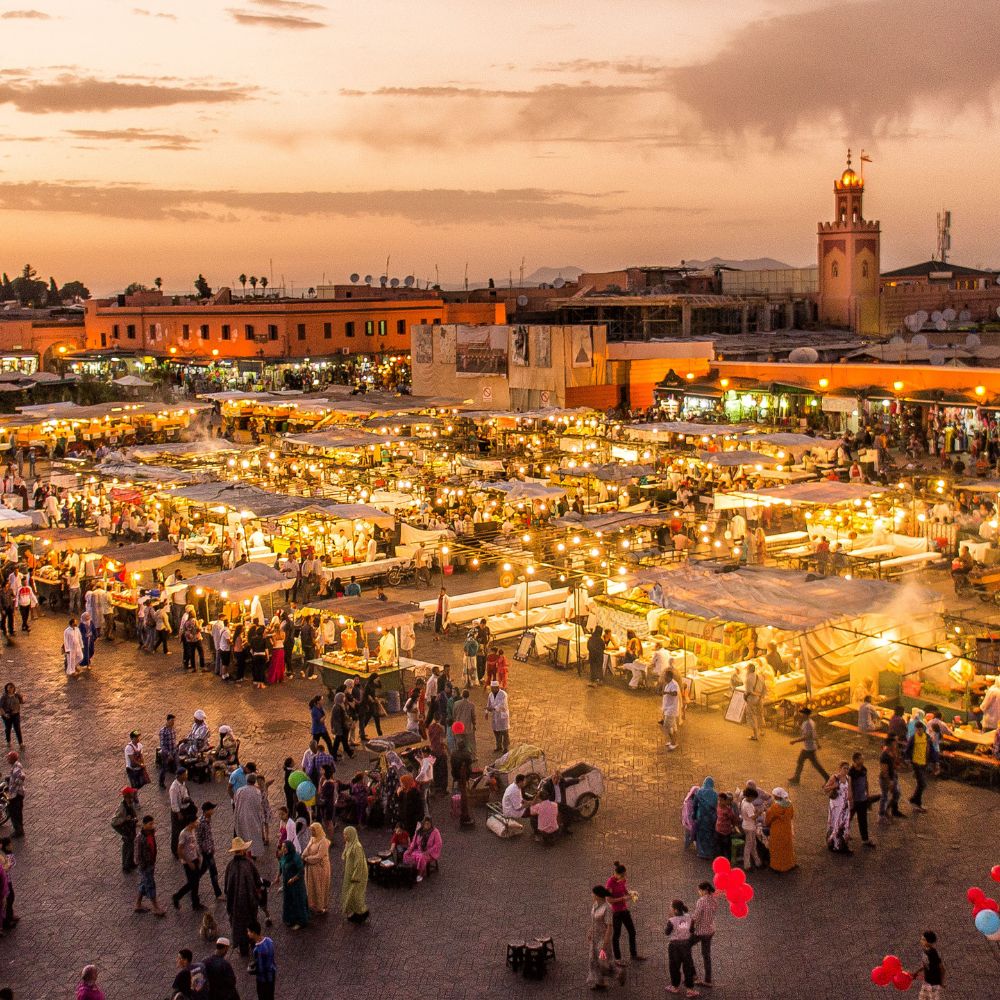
550,948
534,960
736,851
515,954
432,866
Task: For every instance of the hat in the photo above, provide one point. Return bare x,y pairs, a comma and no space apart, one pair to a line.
128,790
239,844
199,715
225,730
222,942
494,684
457,728
205,806
779,793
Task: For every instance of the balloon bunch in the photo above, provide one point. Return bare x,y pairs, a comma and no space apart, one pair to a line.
305,790
733,882
891,971
985,910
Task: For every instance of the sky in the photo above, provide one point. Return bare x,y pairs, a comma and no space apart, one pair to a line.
308,140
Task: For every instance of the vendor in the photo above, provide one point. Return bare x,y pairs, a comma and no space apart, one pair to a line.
775,660
199,731
387,649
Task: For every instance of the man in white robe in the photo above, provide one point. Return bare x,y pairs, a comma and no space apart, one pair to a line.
72,647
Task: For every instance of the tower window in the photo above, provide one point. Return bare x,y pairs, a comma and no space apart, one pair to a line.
864,269
834,270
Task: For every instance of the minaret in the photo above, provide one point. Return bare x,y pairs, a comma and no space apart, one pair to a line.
848,255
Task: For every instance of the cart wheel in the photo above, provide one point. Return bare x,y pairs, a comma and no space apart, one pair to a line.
587,805
531,783
394,576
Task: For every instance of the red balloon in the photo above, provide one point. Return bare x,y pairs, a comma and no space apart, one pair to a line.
902,980
995,873
746,892
881,976
721,881
990,904
739,910
738,876
720,866
975,894
892,963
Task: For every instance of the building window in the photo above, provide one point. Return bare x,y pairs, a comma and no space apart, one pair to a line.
834,270
225,331
328,331
185,332
203,331
401,326
302,331
130,331
423,321
383,327
248,331
369,328
151,332
272,331
115,332
104,339
349,328
436,322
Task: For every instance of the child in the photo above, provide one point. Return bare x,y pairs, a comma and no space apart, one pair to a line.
679,958
725,821
399,843
932,970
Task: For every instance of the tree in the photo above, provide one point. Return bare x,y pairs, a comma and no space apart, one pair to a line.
202,287
74,290
52,296
253,283
27,289
6,292
243,282
263,285
158,282
135,286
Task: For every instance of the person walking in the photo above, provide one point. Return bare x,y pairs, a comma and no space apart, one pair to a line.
888,783
921,754
161,624
168,749
263,965
294,901
135,765
244,888
470,650
461,771
781,837
10,708
861,798
599,937
621,916
15,793
748,824
498,712
931,969
219,974
317,723
595,656
755,689
72,646
316,858
125,823
464,711
87,988
705,815
144,854
670,708
810,744
250,813
679,959
703,928
180,799
353,890
838,826
441,615
206,845
189,854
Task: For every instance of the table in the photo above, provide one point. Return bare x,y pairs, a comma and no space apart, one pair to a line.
975,736
334,674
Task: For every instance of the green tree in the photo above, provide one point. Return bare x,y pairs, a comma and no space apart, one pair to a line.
253,283
135,286
6,292
263,285
74,290
158,282
52,297
243,282
202,287
27,289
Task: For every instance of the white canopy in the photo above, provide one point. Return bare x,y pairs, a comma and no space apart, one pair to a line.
517,489
660,429
733,458
14,518
346,438
823,492
132,382
242,582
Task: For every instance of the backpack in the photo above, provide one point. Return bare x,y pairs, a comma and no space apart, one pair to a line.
191,631
199,981
24,597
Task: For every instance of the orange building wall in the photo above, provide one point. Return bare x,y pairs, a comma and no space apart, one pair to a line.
43,339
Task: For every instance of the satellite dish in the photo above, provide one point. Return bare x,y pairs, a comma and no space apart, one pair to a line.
898,341
522,300
950,315
804,355
384,280
936,358
936,315
559,282
368,279
941,325
912,323
923,316
409,280
919,341
394,283
965,316
355,279
972,340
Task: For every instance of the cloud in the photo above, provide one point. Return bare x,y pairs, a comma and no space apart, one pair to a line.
146,137
25,15
284,22
436,206
863,66
142,12
73,93
288,5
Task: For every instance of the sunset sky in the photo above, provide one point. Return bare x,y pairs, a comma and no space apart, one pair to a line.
142,137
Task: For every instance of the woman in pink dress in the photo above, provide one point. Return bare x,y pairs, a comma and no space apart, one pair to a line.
424,848
276,670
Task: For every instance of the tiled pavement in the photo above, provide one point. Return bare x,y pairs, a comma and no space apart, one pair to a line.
815,932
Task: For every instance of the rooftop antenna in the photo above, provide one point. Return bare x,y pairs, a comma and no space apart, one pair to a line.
437,276
865,158
510,279
387,267
943,235
466,275
520,280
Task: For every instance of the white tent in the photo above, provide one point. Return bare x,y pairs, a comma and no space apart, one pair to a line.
242,582
14,518
132,382
823,492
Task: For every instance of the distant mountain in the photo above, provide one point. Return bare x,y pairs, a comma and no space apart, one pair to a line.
546,275
756,264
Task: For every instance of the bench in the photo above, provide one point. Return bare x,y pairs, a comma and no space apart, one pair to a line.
878,734
974,760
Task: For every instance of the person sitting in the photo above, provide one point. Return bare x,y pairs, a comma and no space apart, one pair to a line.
227,751
424,848
198,737
512,804
869,721
399,844
545,818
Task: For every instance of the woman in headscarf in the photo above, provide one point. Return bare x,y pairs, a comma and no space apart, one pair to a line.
276,668
424,847
601,966
706,802
410,802
316,857
595,654
258,656
294,904
352,893
88,633
778,820
687,816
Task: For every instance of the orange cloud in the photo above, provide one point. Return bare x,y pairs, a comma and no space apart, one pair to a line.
146,137
24,15
286,22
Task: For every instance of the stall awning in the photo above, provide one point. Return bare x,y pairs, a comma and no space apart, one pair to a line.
659,430
369,612
825,492
732,458
516,489
242,582
141,557
14,518
783,599
329,440
66,539
182,449
356,512
242,497
130,472
792,442
611,473
623,519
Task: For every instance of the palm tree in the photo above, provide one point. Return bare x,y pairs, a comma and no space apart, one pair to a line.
263,285
253,283
158,282
243,282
